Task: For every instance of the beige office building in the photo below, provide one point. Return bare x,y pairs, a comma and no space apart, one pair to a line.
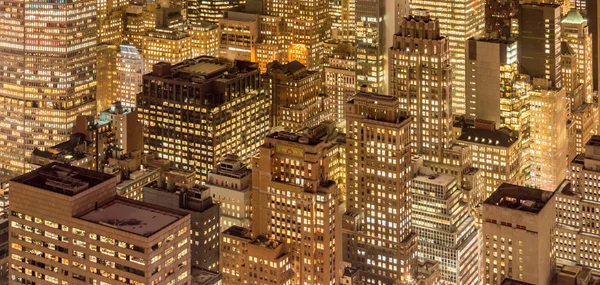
459,20
295,201
297,101
518,226
378,237
84,234
166,45
260,260
420,76
577,211
548,135
340,79
575,31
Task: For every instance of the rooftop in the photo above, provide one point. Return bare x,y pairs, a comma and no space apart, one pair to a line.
205,68
508,281
64,179
202,276
238,231
521,198
574,17
489,137
426,175
66,151
293,137
134,217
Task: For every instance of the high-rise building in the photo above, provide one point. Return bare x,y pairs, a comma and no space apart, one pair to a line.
209,11
371,49
423,84
295,201
500,18
139,20
106,76
204,230
130,68
377,228
577,234
496,153
540,40
91,235
459,20
575,31
48,76
340,79
295,91
229,183
259,260
486,64
548,135
445,230
584,118
110,20
342,15
205,39
305,29
215,107
518,226
166,45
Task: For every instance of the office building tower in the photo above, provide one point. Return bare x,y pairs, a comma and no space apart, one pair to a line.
575,31
166,45
497,153
130,68
340,79
488,60
209,11
423,84
43,87
500,18
295,201
540,40
259,260
229,183
371,49
238,35
92,235
518,226
445,230
295,91
110,20
216,107
548,135
205,39
305,29
342,14
573,87
106,76
377,227
459,21
139,20
576,232
204,230
584,118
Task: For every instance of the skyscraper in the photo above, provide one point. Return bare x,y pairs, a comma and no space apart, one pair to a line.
420,77
518,224
216,107
575,31
48,76
295,91
459,20
445,230
577,232
295,201
340,79
540,40
91,235
377,227
548,135
130,68
486,63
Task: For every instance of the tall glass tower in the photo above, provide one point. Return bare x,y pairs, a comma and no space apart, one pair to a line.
47,76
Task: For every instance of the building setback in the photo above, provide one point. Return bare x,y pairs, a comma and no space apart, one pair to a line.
84,233
197,111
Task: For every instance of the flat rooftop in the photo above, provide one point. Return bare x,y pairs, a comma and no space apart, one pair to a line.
64,179
507,281
435,178
205,68
521,198
487,137
134,217
205,277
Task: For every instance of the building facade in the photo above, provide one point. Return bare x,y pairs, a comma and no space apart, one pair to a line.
295,201
215,107
518,226
86,234
421,78
378,237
